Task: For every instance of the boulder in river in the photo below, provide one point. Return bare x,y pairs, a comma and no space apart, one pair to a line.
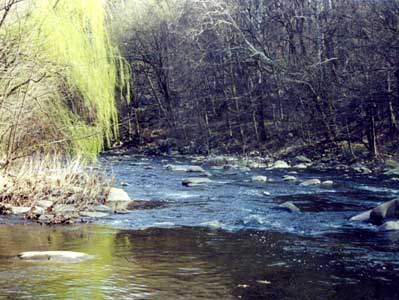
386,211
392,164
55,256
118,199
116,194
302,159
301,166
44,203
196,181
362,217
94,214
327,183
20,210
289,178
289,206
280,164
259,178
311,182
389,226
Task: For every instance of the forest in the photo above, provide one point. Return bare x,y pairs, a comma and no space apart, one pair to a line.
237,76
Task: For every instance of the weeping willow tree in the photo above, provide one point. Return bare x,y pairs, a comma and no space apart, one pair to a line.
59,73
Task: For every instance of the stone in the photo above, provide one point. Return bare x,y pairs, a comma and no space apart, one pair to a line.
259,178
196,181
362,217
20,210
44,203
289,178
389,226
362,169
289,206
303,159
392,164
195,169
64,208
94,214
327,183
176,168
311,182
55,256
124,183
216,161
386,211
116,194
280,164
265,193
103,208
301,166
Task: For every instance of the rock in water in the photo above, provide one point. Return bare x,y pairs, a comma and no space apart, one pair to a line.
196,181
362,217
311,182
55,256
289,178
327,183
259,178
118,195
118,199
393,164
389,226
280,164
93,214
20,210
303,159
386,211
289,206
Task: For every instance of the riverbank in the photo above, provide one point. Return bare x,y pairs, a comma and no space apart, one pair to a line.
58,191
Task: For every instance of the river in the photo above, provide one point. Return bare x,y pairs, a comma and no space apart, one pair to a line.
224,240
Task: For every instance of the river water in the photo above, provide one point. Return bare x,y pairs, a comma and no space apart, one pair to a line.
224,240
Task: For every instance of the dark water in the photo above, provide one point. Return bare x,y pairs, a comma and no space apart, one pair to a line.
221,241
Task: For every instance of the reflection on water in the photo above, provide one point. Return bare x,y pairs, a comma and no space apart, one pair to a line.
187,263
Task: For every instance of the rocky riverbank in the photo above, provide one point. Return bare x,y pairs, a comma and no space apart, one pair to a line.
59,193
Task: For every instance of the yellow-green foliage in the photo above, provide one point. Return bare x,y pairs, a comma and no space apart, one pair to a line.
69,39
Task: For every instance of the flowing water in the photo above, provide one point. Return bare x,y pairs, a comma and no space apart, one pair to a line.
224,240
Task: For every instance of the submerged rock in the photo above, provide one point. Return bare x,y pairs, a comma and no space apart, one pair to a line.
289,206
311,182
55,256
259,178
196,181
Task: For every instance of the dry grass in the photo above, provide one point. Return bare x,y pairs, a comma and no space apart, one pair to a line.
61,181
